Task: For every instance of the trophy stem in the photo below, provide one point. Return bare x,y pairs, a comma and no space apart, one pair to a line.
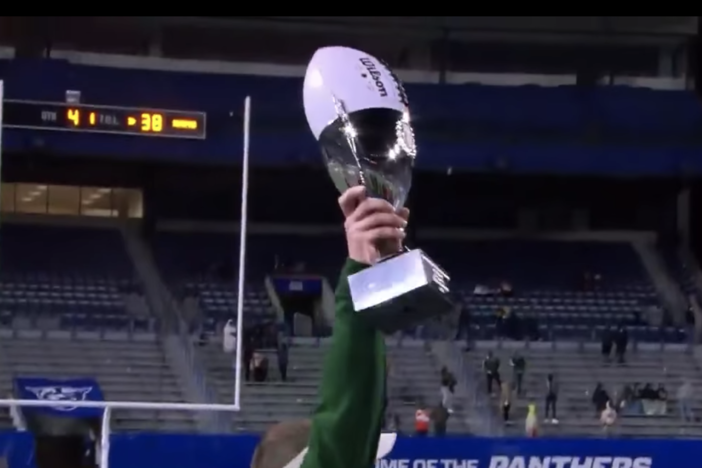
388,257
387,250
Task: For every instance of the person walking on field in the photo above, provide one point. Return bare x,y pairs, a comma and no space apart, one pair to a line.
551,398
491,367
518,364
448,386
531,424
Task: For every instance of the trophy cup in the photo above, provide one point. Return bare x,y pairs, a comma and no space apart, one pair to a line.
358,111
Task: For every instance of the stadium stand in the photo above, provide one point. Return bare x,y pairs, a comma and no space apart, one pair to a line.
68,277
199,268
72,308
413,381
578,369
196,275
126,371
547,275
546,290
94,293
547,278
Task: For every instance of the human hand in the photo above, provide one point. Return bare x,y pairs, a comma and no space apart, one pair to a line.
371,223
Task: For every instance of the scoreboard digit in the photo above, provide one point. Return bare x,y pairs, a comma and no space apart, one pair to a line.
59,116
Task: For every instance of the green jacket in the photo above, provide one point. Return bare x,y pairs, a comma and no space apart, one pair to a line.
347,423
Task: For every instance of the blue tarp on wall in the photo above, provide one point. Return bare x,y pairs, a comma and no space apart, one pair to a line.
60,390
612,130
174,451
198,451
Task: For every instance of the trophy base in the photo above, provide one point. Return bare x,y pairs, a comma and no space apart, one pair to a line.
401,292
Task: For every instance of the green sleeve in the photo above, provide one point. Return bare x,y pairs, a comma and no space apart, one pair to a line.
347,424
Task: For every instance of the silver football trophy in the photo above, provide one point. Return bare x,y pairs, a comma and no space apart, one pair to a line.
358,111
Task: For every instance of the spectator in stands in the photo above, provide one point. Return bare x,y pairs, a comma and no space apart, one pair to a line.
448,386
259,367
623,399
506,289
651,402
635,404
648,393
600,397
531,424
491,367
621,341
661,392
439,417
608,417
684,396
607,343
421,422
229,336
264,369
518,364
551,398
662,397
247,353
505,401
282,352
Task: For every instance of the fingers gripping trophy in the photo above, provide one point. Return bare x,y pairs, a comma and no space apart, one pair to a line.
359,113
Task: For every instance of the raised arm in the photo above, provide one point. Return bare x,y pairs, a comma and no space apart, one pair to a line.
347,423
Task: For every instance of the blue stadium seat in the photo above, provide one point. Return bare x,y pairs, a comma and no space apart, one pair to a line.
77,275
547,278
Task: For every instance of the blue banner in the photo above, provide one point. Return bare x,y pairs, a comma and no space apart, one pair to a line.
297,284
613,130
146,451
539,453
60,390
217,451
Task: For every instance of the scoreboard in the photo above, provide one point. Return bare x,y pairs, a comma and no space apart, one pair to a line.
61,116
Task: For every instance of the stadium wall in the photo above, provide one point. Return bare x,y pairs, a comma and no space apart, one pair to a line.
198,451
